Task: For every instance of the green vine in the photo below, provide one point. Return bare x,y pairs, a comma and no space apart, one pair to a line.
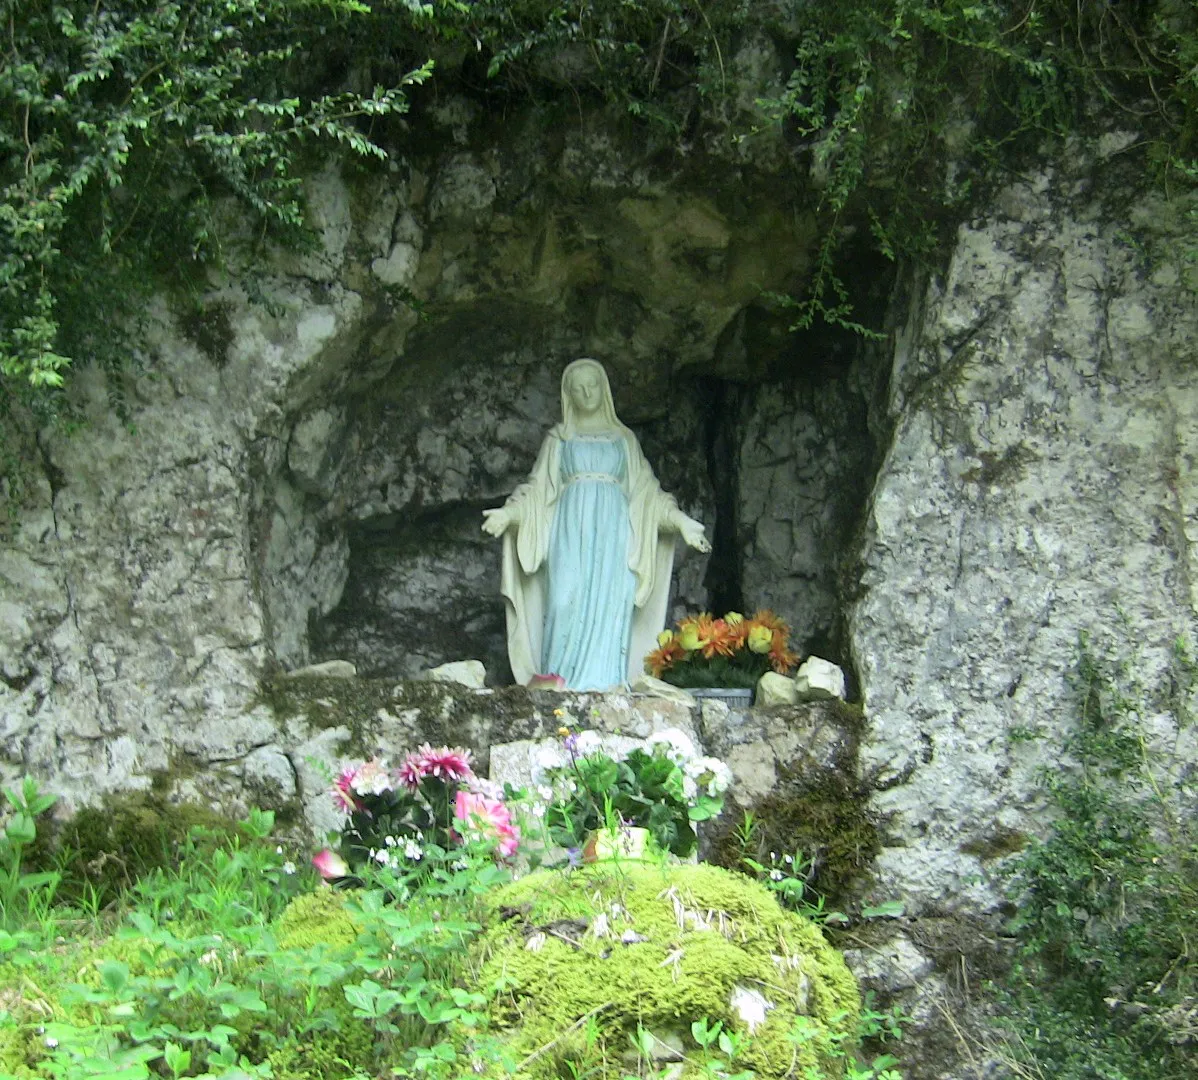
123,126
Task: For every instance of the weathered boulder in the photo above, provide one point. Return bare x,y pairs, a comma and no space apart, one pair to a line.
775,689
469,673
818,679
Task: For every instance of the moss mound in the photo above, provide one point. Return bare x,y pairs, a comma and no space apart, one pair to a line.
317,918
588,957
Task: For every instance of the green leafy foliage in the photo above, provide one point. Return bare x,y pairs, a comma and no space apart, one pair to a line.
125,126
1108,981
234,962
203,970
23,895
906,109
665,789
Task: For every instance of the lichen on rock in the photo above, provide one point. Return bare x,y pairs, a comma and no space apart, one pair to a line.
622,946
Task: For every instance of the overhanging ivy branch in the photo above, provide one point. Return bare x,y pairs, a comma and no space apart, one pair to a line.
120,124
885,97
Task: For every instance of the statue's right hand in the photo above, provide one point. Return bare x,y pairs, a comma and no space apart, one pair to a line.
496,522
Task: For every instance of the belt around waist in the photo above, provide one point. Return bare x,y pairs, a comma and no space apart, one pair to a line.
600,477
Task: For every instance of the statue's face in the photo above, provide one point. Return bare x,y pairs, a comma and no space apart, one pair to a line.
585,391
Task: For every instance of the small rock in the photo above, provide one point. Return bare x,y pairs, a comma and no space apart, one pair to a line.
467,672
647,684
890,967
818,679
775,689
330,669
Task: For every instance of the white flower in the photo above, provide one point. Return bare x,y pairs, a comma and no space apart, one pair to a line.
390,841
279,850
489,789
711,773
371,778
675,744
288,867
750,1006
412,850
545,792
381,856
775,875
587,743
690,790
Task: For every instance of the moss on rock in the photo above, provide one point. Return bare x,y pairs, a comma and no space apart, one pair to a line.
110,846
824,818
627,946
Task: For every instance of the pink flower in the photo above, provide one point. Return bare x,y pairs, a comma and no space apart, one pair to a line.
343,792
487,819
547,682
443,763
509,842
330,865
411,772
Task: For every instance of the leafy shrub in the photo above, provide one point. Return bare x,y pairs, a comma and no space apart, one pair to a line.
1108,981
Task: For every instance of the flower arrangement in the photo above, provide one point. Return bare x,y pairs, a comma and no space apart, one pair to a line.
732,651
432,802
664,787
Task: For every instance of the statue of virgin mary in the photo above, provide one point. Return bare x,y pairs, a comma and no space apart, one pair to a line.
588,546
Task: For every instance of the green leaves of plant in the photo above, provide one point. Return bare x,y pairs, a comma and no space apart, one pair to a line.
115,976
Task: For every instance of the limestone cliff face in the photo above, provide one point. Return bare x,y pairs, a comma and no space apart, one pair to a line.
303,461
1039,485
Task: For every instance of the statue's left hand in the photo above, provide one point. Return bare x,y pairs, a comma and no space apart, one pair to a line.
693,534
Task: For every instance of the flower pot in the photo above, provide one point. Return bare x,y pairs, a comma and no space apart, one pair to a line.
735,697
627,842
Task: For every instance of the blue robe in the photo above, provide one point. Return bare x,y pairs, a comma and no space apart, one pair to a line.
616,524
589,584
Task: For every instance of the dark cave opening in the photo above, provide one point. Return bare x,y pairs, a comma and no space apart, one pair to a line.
772,444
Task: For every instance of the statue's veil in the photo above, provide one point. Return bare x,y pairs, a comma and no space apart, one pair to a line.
608,406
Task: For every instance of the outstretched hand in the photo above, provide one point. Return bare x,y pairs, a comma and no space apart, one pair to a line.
693,534
496,522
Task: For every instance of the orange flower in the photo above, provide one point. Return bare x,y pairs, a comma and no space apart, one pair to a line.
738,632
781,658
765,617
663,657
715,637
704,637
